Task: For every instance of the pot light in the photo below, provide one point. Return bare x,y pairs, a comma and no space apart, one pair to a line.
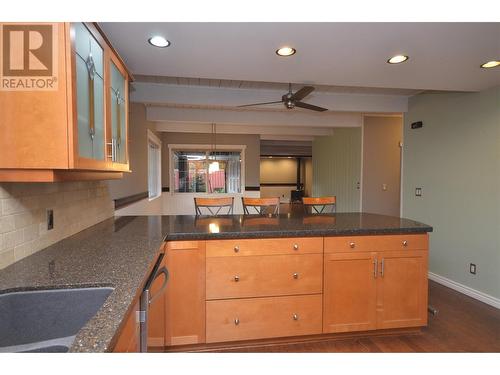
490,64
398,59
158,41
286,51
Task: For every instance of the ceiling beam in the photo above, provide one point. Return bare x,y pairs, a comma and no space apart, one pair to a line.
289,119
266,132
162,93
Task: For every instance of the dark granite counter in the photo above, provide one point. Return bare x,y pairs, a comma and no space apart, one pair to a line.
120,253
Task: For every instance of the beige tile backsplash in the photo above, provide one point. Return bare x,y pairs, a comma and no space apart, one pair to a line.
23,214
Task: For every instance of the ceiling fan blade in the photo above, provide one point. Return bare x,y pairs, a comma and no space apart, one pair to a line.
310,106
303,92
251,105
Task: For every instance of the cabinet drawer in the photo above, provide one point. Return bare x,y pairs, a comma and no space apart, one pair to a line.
257,318
261,276
376,243
265,246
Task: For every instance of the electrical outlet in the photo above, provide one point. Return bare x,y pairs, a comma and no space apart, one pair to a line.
50,219
472,268
418,192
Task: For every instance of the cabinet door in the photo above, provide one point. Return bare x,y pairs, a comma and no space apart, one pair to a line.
89,65
402,289
118,109
129,338
185,293
349,292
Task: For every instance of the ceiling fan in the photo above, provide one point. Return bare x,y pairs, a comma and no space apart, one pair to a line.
292,100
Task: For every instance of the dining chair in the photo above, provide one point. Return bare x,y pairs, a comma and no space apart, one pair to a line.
261,206
213,206
320,205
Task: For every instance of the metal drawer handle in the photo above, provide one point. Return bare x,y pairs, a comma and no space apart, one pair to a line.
295,275
375,268
236,249
295,317
236,278
295,246
405,243
382,268
236,321
352,245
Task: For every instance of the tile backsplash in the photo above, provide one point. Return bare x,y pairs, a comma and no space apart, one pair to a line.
23,214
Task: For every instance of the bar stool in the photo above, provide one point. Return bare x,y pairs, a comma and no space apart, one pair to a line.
320,205
261,206
213,206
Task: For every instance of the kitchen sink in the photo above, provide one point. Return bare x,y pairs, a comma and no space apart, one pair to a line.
46,320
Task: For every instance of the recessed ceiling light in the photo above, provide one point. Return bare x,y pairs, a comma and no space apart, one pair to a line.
398,59
158,41
490,64
286,51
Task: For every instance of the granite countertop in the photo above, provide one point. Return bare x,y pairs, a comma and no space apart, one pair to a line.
120,252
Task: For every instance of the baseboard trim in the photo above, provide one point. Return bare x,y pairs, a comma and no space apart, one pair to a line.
468,291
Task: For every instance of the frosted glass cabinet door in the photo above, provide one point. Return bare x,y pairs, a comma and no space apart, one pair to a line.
118,115
89,94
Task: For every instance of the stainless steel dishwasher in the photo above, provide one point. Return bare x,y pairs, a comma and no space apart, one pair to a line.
152,313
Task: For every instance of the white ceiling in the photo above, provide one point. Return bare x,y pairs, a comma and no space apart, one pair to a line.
443,56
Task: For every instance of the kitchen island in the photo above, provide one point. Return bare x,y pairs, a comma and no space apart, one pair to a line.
238,278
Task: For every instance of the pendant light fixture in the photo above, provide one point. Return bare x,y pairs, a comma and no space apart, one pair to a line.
214,166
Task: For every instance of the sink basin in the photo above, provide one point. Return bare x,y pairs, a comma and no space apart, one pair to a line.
46,320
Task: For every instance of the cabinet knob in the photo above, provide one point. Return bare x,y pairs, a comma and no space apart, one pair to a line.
295,317
236,321
352,245
295,275
295,246
405,243
236,249
236,278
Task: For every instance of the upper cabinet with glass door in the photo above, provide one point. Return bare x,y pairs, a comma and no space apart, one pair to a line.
89,65
118,113
76,127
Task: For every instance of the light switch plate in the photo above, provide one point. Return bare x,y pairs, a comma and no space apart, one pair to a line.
418,192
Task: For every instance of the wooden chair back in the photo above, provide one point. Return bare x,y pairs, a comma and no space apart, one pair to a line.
320,205
214,206
261,206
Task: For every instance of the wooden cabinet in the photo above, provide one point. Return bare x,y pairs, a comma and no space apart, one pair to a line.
79,129
129,339
265,246
185,293
402,289
350,292
260,276
234,290
375,289
258,318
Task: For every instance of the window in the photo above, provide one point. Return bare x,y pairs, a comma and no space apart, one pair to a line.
154,166
205,171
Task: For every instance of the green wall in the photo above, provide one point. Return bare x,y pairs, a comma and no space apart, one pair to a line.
455,158
337,167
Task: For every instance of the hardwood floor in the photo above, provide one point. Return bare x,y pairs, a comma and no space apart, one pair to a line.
462,324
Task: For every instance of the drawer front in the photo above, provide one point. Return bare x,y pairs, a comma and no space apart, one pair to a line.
258,318
265,246
261,276
376,243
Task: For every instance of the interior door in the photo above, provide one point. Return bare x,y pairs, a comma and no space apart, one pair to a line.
402,289
349,292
